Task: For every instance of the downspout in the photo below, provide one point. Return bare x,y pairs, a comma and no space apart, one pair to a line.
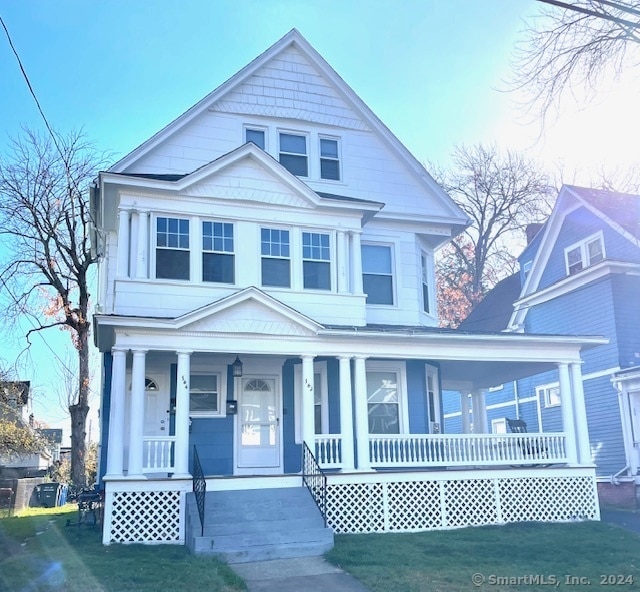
516,399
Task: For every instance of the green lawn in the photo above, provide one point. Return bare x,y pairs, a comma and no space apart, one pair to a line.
39,553
446,561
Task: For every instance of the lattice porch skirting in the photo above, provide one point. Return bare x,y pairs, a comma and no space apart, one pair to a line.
145,512
395,503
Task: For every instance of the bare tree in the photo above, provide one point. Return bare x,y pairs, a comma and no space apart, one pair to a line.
501,192
45,229
575,45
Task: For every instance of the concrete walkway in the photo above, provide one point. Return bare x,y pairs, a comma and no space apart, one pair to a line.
311,574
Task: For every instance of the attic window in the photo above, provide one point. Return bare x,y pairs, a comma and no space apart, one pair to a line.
584,254
257,136
329,159
293,154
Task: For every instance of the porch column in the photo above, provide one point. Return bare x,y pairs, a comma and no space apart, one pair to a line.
479,405
356,264
566,405
464,410
346,414
343,267
133,244
115,447
362,413
143,244
123,243
308,404
136,430
181,446
580,415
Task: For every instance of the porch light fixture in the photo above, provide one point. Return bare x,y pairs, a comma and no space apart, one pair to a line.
237,368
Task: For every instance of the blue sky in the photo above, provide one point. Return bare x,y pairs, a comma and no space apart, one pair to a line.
430,69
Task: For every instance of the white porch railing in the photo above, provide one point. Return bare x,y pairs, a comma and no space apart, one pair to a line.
158,454
410,450
329,450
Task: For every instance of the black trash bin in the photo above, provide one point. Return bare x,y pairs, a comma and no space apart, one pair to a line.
49,494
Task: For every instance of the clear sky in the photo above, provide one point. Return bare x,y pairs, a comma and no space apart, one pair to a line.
432,70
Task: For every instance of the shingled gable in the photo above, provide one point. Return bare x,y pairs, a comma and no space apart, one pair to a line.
294,40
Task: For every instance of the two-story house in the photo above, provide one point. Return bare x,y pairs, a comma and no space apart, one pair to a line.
267,309
580,274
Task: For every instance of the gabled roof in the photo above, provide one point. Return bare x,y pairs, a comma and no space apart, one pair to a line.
294,38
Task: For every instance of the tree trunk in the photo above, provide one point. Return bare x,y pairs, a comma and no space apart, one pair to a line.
80,410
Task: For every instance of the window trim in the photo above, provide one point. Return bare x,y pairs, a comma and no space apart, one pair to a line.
219,372
500,421
256,128
202,221
394,295
426,263
403,406
154,243
338,159
329,261
584,252
433,371
543,392
289,258
300,134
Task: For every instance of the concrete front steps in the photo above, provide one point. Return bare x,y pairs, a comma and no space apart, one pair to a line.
257,525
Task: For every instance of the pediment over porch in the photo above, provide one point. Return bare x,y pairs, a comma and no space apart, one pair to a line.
249,311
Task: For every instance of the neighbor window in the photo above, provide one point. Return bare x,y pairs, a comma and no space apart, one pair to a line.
583,254
377,274
499,426
172,248
204,394
424,264
550,393
276,269
316,256
383,402
217,252
257,136
329,159
293,154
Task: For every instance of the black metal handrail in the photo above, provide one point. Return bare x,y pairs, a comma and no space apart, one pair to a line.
315,480
199,487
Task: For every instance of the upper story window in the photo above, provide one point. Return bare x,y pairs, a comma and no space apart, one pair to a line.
204,394
316,257
172,248
583,254
217,252
329,159
550,393
424,265
293,154
255,135
276,267
377,274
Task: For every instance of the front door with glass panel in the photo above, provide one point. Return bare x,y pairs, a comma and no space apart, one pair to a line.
258,426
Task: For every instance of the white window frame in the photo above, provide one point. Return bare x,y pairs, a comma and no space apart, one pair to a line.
543,392
433,373
582,245
154,250
220,374
256,128
321,369
214,251
394,295
304,135
338,159
290,258
526,268
499,425
329,261
426,268
403,408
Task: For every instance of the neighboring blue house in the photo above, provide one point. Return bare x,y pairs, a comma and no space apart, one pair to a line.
579,275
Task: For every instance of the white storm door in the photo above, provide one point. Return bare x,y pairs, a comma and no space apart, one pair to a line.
156,407
259,425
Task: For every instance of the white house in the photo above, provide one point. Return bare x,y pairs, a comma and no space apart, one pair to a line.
267,281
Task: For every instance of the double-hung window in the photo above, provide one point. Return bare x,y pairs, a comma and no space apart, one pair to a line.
424,265
255,135
329,159
172,248
293,154
217,252
583,254
377,274
383,402
276,265
316,257
204,394
550,393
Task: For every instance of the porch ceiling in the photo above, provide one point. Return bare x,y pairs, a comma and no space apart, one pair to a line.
472,375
